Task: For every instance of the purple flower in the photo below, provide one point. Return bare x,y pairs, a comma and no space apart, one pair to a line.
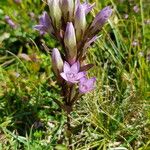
72,73
101,18
10,22
55,12
88,7
70,43
86,85
44,24
136,9
80,21
57,62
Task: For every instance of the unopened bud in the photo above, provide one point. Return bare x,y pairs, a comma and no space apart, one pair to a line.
70,43
67,7
57,62
55,12
80,21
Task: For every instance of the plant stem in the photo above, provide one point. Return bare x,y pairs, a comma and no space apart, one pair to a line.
69,133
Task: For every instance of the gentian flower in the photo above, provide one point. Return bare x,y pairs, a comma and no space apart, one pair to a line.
72,73
100,19
57,62
86,85
70,43
55,12
44,24
67,7
80,21
10,22
88,7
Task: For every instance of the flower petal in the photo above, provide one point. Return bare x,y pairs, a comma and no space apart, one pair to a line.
66,67
63,75
75,67
90,82
40,28
80,75
88,7
82,80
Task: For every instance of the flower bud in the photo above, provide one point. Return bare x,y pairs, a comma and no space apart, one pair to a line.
57,62
101,18
70,43
80,22
67,7
55,12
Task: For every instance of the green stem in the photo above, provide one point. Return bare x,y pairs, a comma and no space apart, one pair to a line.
143,25
69,133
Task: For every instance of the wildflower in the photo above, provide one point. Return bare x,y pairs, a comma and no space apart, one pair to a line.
126,16
67,7
88,7
72,73
101,18
57,62
70,43
10,22
44,24
80,21
55,12
86,85
136,9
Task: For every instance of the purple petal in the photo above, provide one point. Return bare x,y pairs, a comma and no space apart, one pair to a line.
87,44
90,82
77,3
88,7
44,24
86,85
80,75
103,15
75,67
101,18
63,75
66,67
40,28
46,20
82,80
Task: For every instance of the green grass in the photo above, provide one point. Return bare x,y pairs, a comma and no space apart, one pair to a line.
115,114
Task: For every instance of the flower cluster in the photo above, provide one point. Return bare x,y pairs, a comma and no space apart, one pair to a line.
67,22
